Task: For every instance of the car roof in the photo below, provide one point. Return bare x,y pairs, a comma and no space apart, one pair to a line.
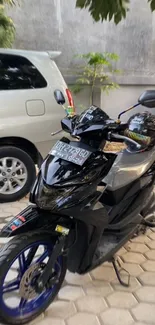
29,53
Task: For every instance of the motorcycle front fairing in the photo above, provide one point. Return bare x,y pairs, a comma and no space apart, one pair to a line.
62,184
70,191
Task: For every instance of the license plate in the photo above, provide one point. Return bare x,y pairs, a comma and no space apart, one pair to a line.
70,153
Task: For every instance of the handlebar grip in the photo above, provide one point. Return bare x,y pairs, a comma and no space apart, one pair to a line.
142,139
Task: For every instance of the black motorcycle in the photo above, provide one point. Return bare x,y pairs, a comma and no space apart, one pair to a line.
86,204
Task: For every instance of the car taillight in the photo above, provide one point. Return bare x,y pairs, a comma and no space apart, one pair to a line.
70,98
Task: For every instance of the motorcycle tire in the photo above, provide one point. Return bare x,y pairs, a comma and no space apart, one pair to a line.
16,252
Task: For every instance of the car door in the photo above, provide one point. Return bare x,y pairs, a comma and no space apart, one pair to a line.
26,99
53,112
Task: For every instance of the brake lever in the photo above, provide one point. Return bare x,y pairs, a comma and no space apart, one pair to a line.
57,132
123,138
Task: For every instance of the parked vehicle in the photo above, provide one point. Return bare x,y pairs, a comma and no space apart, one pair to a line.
86,204
28,115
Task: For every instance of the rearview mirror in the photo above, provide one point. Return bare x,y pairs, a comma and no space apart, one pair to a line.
147,99
59,97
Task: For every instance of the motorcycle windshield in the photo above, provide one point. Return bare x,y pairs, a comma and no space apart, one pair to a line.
56,170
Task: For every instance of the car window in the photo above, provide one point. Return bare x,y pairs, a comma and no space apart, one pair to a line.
17,72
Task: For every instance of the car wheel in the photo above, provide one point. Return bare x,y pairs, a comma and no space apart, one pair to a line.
17,174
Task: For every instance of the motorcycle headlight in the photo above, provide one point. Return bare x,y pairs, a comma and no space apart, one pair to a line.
50,197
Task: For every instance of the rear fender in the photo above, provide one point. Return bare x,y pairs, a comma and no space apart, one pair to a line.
27,220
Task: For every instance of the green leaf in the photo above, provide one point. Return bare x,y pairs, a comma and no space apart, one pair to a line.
117,71
106,89
7,28
5,22
118,17
112,56
152,5
110,15
80,3
83,81
76,89
104,78
109,87
105,9
9,2
114,85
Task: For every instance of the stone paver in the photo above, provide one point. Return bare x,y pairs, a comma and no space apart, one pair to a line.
152,235
37,320
50,321
61,309
4,240
2,225
138,323
147,278
136,248
70,293
98,298
83,319
92,304
133,258
134,285
146,294
76,279
8,219
103,273
144,312
141,239
115,316
12,210
151,244
122,300
148,266
4,214
98,288
133,269
122,251
150,255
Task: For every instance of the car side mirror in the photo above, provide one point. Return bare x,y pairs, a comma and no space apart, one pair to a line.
59,97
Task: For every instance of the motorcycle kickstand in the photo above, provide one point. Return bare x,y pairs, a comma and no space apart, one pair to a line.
116,262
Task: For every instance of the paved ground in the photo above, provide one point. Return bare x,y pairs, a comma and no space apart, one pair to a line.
97,298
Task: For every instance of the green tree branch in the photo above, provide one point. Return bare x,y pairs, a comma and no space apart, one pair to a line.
7,28
108,9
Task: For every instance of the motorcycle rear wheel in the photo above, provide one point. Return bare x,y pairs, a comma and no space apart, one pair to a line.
20,256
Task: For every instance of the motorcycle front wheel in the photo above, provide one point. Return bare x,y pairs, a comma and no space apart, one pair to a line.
22,260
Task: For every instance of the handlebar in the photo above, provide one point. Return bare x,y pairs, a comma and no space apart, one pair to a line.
57,132
112,136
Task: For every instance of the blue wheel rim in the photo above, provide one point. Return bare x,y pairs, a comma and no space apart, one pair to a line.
27,308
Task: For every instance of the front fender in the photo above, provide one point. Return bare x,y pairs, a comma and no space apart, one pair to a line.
27,220
33,219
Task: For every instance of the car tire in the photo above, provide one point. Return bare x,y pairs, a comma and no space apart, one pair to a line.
21,180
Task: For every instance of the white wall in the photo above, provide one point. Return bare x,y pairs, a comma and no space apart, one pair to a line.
121,99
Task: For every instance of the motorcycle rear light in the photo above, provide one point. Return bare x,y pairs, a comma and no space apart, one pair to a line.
70,98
